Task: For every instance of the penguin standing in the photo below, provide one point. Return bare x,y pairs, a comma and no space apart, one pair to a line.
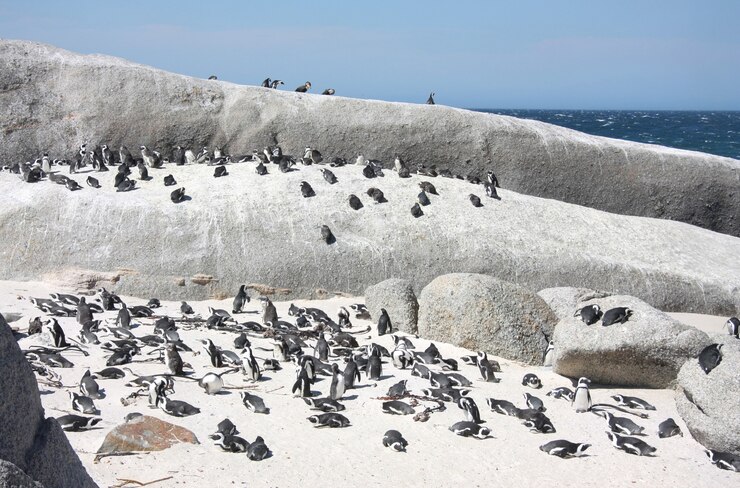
547,358
336,390
240,300
321,350
582,396
351,373
733,326
303,383
384,323
250,366
84,313
374,365
430,100
217,360
468,405
486,368
173,360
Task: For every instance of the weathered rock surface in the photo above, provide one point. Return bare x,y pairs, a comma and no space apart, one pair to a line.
708,403
484,313
245,228
145,433
35,445
49,104
646,351
11,476
566,300
397,297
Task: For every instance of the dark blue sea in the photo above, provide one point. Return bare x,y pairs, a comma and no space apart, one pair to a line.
710,132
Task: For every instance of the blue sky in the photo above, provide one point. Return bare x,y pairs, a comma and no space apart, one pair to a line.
477,54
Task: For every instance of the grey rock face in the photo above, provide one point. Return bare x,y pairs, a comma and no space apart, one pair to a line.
708,403
566,300
237,230
398,298
50,105
11,476
483,313
35,445
646,351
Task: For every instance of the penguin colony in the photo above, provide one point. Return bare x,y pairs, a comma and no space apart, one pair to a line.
327,360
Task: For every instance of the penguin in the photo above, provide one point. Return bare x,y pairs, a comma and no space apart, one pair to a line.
384,323
475,200
57,334
176,408
618,315
620,425
229,442
402,358
561,392
531,380
169,180
398,390
76,423
471,409
220,171
324,404
377,195
92,182
534,403
302,384
355,203
470,429
211,383
423,199
459,380
710,357
723,460
178,195
582,397
564,449
336,390
396,407
202,156
186,309
632,402
326,235
485,368
304,87
439,380
590,314
266,83
321,350
89,387
374,367
258,450
350,374
416,211
110,373
430,100
328,176
72,185
240,300
172,360
227,427
491,191
306,190
123,356
276,83
394,440
549,354
143,171
668,428
537,422
428,188
733,326
328,91
331,420
83,404
631,445
254,403
421,371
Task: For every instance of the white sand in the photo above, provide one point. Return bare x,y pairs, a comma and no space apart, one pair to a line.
354,456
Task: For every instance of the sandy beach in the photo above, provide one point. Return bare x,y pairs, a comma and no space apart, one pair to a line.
355,456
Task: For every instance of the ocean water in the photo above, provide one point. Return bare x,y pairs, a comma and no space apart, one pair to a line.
710,132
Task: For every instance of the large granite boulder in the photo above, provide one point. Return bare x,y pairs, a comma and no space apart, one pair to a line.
566,300
646,351
483,313
145,433
708,403
33,443
243,228
49,104
11,476
397,297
